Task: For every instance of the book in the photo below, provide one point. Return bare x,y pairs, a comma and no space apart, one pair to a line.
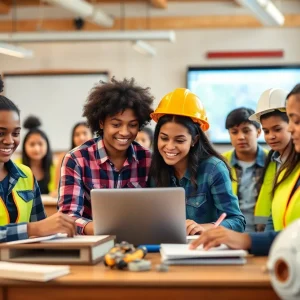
180,254
31,272
87,250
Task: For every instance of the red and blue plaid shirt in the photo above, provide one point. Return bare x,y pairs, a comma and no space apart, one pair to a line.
88,167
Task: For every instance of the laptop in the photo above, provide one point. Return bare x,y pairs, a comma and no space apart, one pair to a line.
140,216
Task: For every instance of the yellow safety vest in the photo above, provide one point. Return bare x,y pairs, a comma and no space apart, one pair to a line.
22,195
51,184
263,205
285,206
228,156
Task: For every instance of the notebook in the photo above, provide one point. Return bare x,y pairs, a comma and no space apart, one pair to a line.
180,254
31,272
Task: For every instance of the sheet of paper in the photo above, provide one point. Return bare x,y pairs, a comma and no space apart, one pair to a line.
192,237
79,239
39,239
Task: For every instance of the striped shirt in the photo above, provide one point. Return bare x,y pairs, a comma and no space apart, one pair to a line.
88,167
18,231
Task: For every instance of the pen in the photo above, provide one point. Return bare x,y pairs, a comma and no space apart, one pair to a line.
220,220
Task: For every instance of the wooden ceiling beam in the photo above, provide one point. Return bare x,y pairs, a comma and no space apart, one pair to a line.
4,9
37,2
156,23
159,3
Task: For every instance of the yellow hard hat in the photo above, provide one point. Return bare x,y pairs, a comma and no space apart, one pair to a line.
182,102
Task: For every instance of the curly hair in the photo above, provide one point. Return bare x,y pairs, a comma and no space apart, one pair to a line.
109,99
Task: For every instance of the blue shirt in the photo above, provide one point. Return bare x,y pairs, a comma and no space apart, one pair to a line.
5,183
248,184
12,231
261,242
213,195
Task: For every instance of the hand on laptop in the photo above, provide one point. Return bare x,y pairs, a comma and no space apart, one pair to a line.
193,228
57,223
216,236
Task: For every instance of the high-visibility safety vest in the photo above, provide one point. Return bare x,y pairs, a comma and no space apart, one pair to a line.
51,184
263,205
228,156
22,195
285,206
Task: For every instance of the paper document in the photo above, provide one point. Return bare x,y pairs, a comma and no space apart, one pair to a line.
39,239
79,239
190,238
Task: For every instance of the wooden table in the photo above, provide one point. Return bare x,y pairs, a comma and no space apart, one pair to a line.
50,205
247,282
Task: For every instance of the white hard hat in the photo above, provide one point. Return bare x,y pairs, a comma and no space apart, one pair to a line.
270,100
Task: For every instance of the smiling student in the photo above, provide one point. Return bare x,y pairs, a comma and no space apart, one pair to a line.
247,161
145,137
283,163
259,243
37,155
21,209
115,111
183,156
80,134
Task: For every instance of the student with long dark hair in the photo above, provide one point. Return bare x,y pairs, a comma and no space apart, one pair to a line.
81,133
288,210
282,161
183,157
145,137
21,209
37,155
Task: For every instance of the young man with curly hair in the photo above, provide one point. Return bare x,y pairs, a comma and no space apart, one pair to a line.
115,111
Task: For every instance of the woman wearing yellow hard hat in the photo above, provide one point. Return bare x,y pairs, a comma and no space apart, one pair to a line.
183,156
282,167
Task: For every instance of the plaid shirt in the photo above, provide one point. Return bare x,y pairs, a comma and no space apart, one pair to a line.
213,195
88,167
12,232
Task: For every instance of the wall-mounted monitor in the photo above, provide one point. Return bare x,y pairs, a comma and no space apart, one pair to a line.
222,89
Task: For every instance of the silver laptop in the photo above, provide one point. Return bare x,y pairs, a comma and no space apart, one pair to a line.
140,216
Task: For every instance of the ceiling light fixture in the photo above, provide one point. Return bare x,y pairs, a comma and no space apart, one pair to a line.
265,11
85,10
88,36
144,48
15,51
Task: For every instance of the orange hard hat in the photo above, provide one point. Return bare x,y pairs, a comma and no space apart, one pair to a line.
182,102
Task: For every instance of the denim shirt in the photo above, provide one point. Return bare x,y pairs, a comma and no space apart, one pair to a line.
213,196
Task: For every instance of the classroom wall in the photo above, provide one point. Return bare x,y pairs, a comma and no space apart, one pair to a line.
167,69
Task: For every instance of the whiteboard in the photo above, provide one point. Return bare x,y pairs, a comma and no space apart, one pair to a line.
57,99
